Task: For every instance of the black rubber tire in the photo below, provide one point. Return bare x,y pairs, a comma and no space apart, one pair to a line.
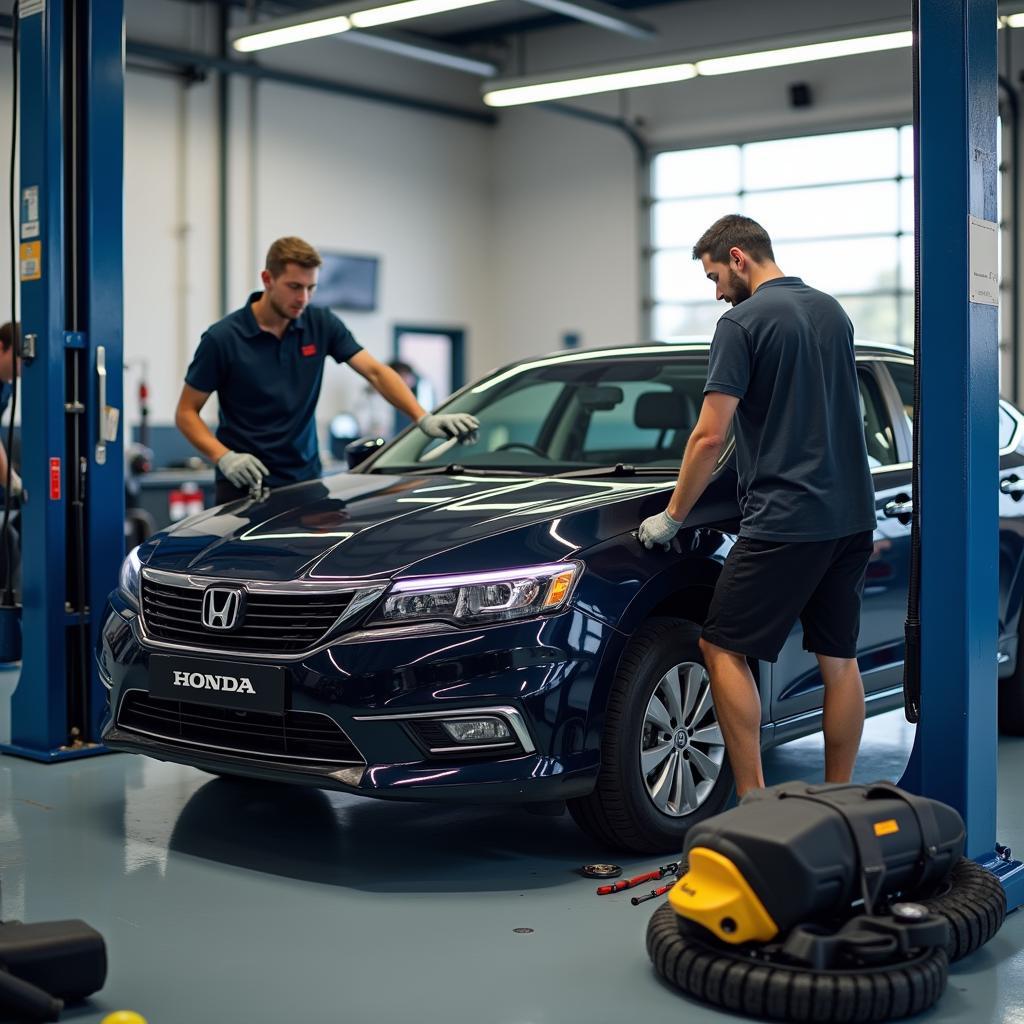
709,972
619,812
973,901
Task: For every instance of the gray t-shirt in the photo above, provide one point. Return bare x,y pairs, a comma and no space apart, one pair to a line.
787,354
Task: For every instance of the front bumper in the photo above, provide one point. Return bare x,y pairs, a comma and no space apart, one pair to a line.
550,675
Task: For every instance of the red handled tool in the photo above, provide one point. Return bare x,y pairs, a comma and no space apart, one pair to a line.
652,895
628,883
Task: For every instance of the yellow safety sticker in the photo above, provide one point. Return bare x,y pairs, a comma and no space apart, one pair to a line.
886,828
31,261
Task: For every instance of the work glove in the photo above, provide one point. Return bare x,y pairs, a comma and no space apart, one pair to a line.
659,529
450,424
16,489
243,469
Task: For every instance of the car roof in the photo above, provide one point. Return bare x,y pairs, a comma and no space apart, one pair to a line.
694,344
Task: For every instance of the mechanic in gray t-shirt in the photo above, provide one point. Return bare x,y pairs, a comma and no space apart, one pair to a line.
782,370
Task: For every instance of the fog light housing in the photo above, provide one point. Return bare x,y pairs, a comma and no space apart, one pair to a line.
478,730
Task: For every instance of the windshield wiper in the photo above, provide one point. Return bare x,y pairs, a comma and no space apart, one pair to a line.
451,469
619,469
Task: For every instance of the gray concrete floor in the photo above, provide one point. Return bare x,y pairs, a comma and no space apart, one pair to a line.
227,902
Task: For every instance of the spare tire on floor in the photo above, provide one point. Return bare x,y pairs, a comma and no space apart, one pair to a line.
973,901
691,959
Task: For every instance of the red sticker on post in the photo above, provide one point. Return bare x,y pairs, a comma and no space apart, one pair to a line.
54,479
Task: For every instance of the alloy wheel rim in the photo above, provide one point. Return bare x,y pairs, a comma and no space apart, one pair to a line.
681,745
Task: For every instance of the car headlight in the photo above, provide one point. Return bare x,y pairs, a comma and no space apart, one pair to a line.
128,580
470,598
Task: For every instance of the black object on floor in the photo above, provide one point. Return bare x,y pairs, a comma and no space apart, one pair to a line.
47,965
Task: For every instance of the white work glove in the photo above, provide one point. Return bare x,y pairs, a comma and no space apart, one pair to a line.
243,469
16,487
659,529
450,424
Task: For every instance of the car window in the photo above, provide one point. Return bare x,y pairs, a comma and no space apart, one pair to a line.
611,429
902,374
903,377
554,415
878,432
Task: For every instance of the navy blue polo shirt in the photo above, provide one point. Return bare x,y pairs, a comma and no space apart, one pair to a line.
267,387
787,354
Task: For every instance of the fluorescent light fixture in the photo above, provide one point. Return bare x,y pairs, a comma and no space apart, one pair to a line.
587,84
1014,21
264,39
584,82
803,54
373,16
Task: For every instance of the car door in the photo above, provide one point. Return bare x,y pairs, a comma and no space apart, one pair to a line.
1011,508
796,682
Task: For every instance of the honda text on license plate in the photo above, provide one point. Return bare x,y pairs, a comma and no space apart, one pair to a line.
227,684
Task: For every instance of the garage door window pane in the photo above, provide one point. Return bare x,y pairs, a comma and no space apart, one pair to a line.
850,266
836,210
696,320
822,159
697,172
678,223
678,277
875,318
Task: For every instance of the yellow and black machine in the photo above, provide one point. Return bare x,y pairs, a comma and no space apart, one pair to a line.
835,902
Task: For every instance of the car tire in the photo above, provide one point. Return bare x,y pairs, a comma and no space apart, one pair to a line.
690,779
973,901
730,977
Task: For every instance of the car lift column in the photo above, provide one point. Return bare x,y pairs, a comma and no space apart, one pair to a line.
71,62
954,758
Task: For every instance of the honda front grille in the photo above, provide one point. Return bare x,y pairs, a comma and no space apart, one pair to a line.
273,622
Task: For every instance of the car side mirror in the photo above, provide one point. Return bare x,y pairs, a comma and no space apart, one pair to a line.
361,449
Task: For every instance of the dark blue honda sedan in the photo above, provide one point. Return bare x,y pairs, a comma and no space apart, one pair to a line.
478,623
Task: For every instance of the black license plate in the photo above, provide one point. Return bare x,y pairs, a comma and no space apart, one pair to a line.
227,684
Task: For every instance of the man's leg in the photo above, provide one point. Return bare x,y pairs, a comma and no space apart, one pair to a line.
738,706
843,717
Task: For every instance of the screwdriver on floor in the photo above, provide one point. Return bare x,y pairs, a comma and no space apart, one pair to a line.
628,883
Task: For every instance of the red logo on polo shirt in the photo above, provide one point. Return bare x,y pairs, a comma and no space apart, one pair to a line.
309,350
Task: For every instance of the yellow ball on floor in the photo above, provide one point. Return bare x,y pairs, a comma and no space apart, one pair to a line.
124,1017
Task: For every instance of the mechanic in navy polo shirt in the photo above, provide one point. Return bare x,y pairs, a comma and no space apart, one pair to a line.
8,336
782,369
266,363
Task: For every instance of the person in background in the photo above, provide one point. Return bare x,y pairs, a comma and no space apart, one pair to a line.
265,361
9,336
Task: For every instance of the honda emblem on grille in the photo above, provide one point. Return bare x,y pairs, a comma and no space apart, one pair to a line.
223,607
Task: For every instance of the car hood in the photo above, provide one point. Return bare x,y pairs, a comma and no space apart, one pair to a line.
372,526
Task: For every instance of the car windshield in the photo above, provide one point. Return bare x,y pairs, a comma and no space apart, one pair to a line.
564,413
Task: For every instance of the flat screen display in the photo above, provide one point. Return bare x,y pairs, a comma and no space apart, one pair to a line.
347,282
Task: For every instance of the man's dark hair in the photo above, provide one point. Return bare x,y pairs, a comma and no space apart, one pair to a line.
8,333
734,230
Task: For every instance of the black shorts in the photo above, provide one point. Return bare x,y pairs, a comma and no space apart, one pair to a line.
765,586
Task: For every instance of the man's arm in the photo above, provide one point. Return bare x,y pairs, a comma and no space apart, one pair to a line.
188,421
388,384
703,450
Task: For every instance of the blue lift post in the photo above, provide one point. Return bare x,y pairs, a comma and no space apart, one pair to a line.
954,758
71,63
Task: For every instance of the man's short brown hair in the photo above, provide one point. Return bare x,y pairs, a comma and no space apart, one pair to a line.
291,250
734,231
8,333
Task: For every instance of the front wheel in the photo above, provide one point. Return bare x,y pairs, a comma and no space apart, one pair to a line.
663,760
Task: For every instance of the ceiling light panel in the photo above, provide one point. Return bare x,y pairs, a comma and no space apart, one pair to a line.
264,40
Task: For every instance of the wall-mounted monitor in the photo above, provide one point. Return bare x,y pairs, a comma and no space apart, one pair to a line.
347,282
